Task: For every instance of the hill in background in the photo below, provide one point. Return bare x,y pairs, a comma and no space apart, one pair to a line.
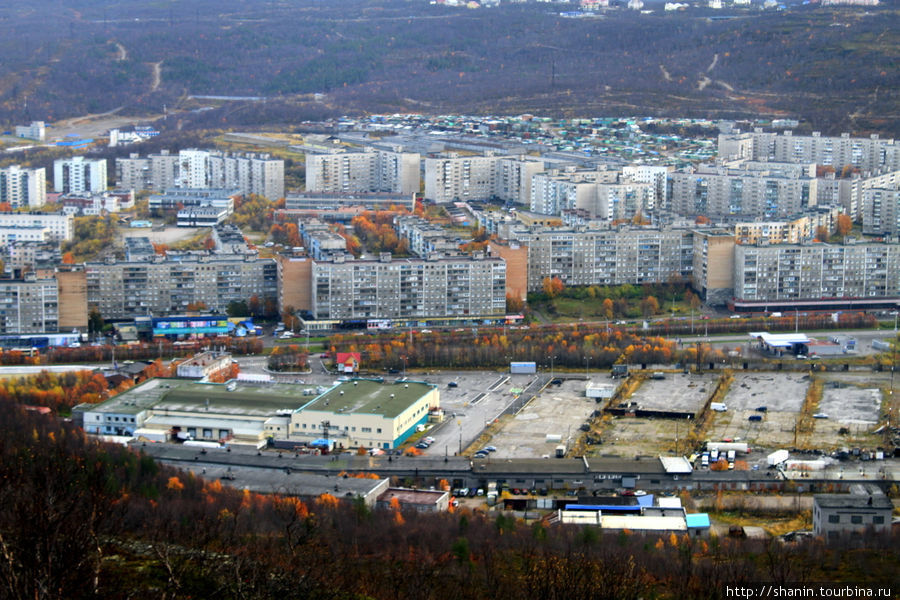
836,67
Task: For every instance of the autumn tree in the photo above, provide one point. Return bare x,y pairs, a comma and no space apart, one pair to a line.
822,233
649,306
514,305
607,308
552,286
843,225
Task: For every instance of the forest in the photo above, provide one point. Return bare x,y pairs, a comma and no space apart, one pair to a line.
832,66
80,519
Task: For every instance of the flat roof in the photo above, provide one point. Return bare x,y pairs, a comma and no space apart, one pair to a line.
697,520
641,523
244,399
410,496
854,501
366,396
780,339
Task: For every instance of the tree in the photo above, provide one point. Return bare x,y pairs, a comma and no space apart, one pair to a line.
552,286
821,233
649,306
608,308
514,305
843,225
237,308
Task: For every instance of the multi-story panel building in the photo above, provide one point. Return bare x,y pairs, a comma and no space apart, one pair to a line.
460,178
29,305
167,285
369,171
802,228
608,257
58,224
407,288
877,199
424,238
722,193
813,271
881,214
866,154
23,188
79,174
657,176
203,169
133,173
183,198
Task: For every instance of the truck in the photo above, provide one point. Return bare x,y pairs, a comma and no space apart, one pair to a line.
718,406
619,371
777,457
561,451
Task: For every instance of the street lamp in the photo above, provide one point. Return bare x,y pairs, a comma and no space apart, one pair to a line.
551,366
587,362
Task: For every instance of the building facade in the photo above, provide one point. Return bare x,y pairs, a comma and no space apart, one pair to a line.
401,288
608,257
29,305
78,174
839,514
22,187
369,171
168,285
813,271
58,225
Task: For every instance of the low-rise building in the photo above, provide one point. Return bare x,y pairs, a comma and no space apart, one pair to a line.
365,412
839,514
204,365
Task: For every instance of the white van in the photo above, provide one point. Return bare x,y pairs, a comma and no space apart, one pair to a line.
718,406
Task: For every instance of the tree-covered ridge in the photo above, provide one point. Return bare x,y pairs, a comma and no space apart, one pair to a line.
834,66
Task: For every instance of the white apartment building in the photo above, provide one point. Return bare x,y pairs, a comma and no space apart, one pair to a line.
876,198
59,225
401,288
79,174
371,170
35,131
22,187
867,154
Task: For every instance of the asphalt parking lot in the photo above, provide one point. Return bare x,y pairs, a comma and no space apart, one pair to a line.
558,410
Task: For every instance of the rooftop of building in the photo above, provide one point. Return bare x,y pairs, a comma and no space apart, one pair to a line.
854,501
410,496
366,396
235,398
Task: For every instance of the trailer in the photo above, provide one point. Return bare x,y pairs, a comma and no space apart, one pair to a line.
523,367
740,447
777,457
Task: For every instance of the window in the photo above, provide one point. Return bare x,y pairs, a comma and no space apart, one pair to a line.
378,430
878,520
834,518
207,433
856,519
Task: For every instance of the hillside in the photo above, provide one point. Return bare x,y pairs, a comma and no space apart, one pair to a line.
836,67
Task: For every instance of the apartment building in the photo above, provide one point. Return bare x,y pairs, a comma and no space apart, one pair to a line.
717,193
424,239
802,228
23,187
712,276
371,170
58,225
405,288
456,178
557,190
249,173
877,199
608,257
29,305
78,174
310,203
813,271
866,154
166,285
36,130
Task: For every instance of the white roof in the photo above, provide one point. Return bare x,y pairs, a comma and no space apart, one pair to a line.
641,523
580,517
676,464
666,502
780,339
